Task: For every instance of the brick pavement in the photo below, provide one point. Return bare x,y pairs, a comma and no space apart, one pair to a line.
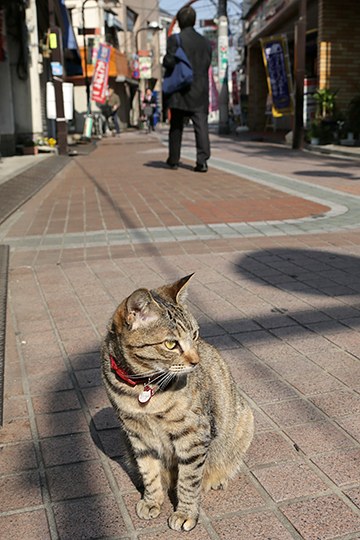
273,238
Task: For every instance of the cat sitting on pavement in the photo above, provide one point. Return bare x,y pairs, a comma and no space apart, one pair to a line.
187,424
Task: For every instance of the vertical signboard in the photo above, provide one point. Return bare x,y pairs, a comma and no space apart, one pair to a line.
223,58
101,74
277,66
145,64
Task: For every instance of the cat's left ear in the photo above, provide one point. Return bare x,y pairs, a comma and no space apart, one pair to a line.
178,290
141,309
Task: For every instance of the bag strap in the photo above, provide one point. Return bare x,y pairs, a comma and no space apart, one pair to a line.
178,40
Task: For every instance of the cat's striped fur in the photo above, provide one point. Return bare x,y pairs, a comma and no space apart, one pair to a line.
196,427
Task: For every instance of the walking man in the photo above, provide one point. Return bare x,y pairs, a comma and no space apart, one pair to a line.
113,101
192,102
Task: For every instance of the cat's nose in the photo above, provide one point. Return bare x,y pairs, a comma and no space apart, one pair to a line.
192,357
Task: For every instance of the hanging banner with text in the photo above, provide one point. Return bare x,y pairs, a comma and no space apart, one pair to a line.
278,74
145,65
101,74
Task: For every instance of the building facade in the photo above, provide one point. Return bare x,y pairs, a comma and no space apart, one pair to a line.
27,46
332,50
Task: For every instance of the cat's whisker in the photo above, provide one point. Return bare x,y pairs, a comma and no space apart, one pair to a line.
167,378
147,374
160,378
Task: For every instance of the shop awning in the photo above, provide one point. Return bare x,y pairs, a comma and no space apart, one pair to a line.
118,67
71,51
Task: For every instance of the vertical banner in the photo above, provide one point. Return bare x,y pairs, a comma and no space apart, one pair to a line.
278,73
145,65
135,73
213,92
223,58
101,74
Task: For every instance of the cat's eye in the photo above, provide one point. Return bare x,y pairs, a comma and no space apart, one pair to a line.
196,335
170,345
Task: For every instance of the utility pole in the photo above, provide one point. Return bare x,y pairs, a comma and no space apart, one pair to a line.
300,51
223,64
87,81
57,57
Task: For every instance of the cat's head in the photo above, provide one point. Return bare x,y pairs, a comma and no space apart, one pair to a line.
156,330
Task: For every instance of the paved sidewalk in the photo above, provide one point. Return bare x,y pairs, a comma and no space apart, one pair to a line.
273,236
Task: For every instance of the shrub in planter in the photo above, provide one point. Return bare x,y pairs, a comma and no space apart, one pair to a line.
30,148
314,133
326,103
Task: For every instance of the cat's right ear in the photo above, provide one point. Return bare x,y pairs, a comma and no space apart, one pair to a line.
141,309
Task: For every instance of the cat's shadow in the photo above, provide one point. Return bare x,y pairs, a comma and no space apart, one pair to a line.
111,438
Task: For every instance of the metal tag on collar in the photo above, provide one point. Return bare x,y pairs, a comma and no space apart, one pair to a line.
146,394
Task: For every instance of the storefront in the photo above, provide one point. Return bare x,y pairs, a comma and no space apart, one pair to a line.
332,52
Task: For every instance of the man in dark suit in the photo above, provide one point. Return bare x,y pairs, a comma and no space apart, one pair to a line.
191,102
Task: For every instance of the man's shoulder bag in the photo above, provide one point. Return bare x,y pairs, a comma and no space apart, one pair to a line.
182,74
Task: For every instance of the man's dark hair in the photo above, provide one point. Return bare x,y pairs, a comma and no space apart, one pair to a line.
186,16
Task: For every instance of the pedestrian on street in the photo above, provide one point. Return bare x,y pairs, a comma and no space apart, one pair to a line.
113,103
149,106
192,102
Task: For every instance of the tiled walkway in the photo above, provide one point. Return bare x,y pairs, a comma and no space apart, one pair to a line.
273,237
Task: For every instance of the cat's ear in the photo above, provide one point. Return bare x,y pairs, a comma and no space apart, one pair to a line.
141,309
178,290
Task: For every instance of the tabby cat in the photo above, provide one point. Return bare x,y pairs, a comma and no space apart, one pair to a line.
176,400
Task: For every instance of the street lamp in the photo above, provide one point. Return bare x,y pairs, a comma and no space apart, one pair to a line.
154,26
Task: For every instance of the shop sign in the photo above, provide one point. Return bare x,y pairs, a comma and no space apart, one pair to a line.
145,64
101,74
56,69
278,74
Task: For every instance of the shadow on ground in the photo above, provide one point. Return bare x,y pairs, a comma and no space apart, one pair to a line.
306,272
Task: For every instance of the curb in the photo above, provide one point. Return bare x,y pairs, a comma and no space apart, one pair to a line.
4,265
19,189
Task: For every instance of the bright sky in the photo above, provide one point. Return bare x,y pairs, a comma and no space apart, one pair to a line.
205,9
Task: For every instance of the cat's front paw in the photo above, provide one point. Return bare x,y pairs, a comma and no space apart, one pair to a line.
147,509
182,521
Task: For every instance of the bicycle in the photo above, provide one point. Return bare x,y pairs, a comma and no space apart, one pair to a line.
98,125
148,112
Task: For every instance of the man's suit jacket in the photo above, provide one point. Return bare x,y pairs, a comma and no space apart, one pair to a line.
198,51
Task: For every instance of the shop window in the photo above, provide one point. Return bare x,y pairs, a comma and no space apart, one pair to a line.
131,17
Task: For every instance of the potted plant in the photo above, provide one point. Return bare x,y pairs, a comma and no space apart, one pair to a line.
314,132
326,103
30,148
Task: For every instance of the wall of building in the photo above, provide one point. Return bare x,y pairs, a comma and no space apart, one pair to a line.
20,98
339,24
7,122
35,67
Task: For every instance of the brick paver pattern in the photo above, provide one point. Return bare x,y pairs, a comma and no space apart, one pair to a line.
273,238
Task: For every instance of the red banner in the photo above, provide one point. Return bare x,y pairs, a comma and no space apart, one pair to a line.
213,93
101,74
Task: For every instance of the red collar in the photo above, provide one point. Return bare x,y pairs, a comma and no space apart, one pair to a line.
121,373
